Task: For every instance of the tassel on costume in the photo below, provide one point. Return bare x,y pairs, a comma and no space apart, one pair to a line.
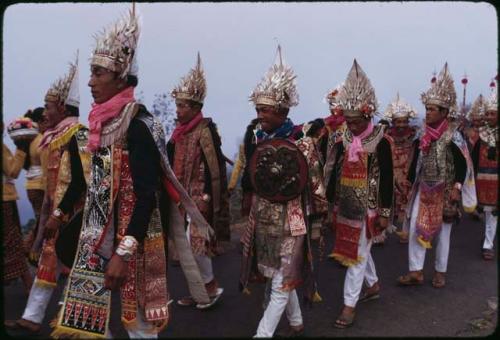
346,261
65,137
424,243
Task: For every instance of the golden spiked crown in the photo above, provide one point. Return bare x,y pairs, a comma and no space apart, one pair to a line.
116,46
278,87
65,89
491,104
442,91
399,108
477,107
357,95
193,86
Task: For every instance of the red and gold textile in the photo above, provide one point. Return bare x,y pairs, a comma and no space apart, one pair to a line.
430,212
14,260
487,177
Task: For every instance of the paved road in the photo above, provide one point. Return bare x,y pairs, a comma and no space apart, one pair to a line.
459,309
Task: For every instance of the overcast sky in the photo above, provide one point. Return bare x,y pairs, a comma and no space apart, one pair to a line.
398,45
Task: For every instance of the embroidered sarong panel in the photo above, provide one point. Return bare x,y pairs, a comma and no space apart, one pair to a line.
487,177
85,309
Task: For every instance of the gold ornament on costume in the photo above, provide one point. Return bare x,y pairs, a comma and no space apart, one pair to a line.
477,108
116,46
193,86
491,104
65,89
442,91
357,95
399,108
278,87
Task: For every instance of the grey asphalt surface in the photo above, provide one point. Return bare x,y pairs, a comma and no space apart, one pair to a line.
459,309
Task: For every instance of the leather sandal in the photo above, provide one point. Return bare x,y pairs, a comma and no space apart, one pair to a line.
23,325
410,280
344,321
488,254
438,281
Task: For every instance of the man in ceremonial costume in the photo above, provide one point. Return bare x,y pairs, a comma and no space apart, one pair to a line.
14,261
67,167
471,134
276,240
399,113
36,166
485,159
324,132
195,153
440,167
359,180
130,179
475,118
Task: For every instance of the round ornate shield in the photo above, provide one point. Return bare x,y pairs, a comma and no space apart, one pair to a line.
278,170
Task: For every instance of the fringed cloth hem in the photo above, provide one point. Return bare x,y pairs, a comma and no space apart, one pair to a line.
289,286
64,138
346,261
44,283
132,325
424,243
62,332
469,210
316,297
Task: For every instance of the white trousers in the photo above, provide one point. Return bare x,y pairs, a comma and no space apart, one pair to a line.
204,262
143,329
279,301
39,299
416,253
490,228
363,271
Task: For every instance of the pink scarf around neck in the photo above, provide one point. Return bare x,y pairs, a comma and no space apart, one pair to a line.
356,147
103,113
432,134
182,129
50,134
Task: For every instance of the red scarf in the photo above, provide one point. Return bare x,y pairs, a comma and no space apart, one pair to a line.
334,121
51,134
432,134
182,129
103,113
356,147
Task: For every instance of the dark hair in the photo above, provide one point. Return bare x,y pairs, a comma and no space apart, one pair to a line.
283,110
443,109
132,80
384,122
36,114
194,104
72,111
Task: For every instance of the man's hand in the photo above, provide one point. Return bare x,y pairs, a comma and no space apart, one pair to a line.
51,227
383,222
116,273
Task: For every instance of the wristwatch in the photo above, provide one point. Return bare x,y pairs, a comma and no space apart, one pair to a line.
127,247
57,213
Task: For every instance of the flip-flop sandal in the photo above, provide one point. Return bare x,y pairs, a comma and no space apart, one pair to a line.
367,297
213,300
407,280
438,283
344,322
186,301
488,254
15,325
